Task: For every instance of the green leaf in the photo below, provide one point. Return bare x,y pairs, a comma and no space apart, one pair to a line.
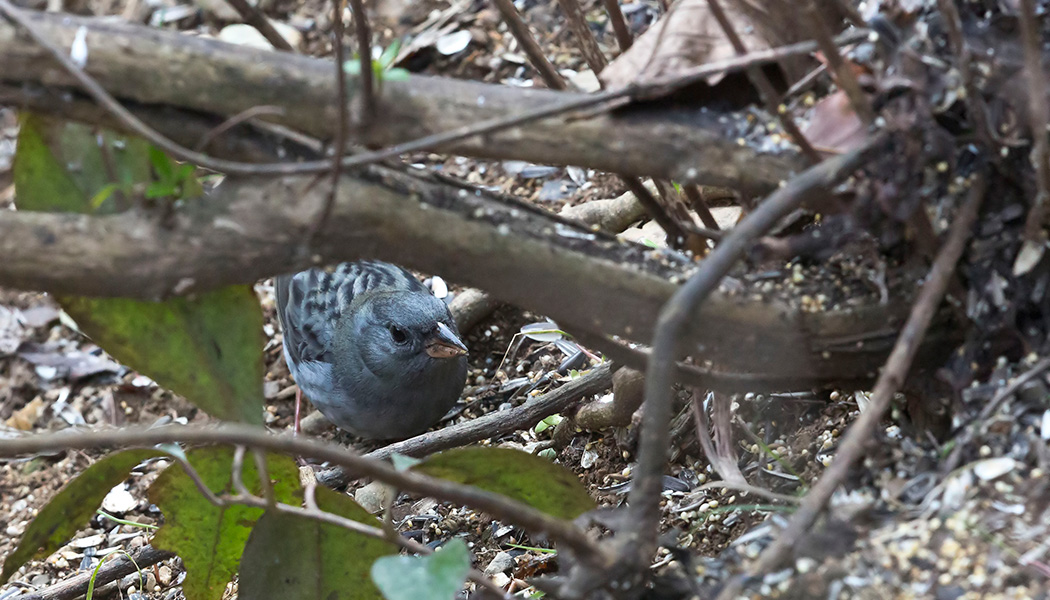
545,424
164,166
37,169
102,195
210,539
208,349
396,74
519,475
439,576
62,166
72,507
402,462
160,189
389,54
296,558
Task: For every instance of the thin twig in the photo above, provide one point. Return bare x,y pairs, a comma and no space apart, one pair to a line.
263,471
313,512
699,204
256,437
1037,114
547,72
676,235
843,74
581,30
964,433
964,62
890,380
765,88
254,17
364,49
619,24
675,318
492,425
1011,388
235,120
725,466
237,471
367,104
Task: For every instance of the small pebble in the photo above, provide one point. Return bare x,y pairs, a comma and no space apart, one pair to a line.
499,564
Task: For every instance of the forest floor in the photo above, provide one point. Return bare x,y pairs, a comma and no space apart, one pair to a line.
962,517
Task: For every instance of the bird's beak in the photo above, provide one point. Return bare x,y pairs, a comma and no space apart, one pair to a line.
444,344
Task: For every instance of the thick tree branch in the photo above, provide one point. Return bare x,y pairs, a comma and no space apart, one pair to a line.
219,79
248,230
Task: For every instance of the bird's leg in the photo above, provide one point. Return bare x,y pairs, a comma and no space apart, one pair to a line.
298,405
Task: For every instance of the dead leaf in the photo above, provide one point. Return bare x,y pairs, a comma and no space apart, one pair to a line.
71,365
688,36
834,127
11,330
27,416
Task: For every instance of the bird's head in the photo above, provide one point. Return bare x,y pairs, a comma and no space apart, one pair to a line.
402,334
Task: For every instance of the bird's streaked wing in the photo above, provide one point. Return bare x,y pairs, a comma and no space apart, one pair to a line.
309,303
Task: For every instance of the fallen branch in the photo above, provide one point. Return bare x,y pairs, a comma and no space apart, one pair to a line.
225,80
113,570
249,230
491,425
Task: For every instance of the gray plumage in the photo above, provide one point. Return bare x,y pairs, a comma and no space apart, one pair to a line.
361,341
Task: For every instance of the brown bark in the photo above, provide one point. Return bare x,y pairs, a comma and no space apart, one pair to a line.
212,77
589,283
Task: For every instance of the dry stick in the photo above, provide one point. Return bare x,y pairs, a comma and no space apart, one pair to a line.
611,99
676,235
1037,109
254,17
491,425
964,62
235,120
582,31
364,48
528,44
113,570
725,463
843,74
963,434
368,102
674,318
498,506
696,199
890,380
769,94
619,24
311,511
1011,388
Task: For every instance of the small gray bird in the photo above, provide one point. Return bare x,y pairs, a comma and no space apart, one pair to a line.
371,347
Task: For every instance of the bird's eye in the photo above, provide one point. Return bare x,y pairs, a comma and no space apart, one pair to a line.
398,334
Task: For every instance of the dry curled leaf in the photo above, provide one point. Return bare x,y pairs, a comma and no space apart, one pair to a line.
688,36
